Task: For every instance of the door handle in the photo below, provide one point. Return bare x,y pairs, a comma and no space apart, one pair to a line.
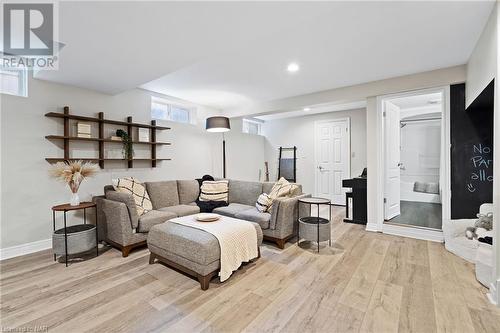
320,167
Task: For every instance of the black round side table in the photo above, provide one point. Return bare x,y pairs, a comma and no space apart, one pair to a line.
315,228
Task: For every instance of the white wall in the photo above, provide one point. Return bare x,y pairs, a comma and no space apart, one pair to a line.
420,151
482,65
245,153
27,193
481,69
299,131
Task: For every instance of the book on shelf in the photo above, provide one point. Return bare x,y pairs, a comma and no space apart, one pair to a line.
143,134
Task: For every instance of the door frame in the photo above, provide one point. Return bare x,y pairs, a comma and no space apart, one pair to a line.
318,122
445,175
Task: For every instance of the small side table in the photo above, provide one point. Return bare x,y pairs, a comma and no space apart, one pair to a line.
315,228
66,208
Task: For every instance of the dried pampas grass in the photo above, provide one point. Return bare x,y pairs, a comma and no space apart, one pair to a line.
73,172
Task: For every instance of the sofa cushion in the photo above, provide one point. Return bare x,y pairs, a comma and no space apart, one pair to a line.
254,215
232,209
181,210
244,192
152,218
189,191
163,194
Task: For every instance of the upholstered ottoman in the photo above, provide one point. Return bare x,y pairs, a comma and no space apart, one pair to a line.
190,250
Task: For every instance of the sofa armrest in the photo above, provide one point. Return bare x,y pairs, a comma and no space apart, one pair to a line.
100,217
129,202
284,215
118,225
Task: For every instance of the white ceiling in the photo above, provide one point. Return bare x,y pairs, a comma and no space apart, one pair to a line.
418,101
226,54
312,110
419,106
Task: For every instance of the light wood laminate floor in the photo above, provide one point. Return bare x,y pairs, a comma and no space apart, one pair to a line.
366,282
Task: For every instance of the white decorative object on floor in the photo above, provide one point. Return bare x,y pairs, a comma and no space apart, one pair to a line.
454,235
207,217
484,264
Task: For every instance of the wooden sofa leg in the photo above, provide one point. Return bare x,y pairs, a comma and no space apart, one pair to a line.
152,258
281,243
205,280
126,251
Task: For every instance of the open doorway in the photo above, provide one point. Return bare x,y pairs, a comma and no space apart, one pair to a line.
413,160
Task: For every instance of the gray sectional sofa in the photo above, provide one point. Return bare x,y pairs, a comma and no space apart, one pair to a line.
124,229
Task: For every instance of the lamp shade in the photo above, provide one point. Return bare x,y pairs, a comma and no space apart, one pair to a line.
218,124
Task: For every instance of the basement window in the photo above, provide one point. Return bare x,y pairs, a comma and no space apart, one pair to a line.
14,82
251,127
162,109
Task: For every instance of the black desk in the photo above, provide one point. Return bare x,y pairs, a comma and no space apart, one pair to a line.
358,195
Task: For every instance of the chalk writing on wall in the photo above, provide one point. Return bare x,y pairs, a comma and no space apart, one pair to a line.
482,167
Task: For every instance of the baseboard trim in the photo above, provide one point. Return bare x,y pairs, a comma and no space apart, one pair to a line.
20,250
418,233
372,227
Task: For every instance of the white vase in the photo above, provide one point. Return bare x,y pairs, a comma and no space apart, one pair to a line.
75,199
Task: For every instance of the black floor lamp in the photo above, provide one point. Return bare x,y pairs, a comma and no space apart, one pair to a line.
220,125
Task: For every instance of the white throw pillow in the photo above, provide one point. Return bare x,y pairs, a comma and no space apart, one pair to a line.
133,186
214,190
263,203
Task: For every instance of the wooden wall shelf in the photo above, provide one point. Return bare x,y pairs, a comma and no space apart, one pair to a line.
105,121
75,138
66,137
54,160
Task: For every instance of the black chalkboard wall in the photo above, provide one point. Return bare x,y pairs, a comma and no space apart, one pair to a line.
471,151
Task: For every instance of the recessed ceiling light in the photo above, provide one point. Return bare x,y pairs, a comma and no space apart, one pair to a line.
293,67
307,109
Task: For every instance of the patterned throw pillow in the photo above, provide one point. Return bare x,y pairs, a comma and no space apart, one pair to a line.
214,190
282,189
133,186
263,203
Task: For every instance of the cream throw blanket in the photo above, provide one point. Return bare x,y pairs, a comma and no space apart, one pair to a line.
237,240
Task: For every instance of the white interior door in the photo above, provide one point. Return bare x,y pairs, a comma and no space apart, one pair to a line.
332,157
392,187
